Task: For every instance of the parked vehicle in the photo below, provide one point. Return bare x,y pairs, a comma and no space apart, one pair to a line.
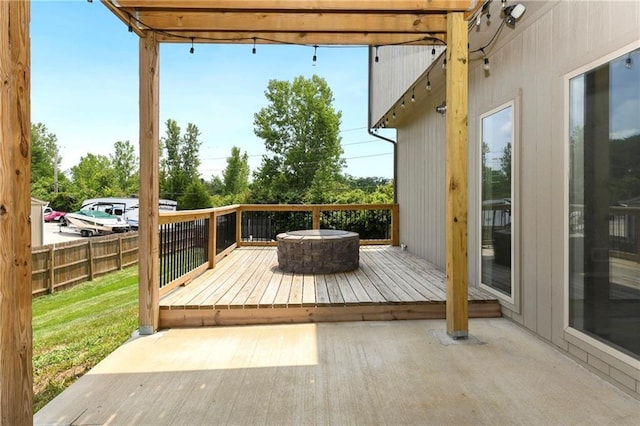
50,215
124,208
94,222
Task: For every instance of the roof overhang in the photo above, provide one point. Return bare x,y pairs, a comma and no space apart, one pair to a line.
312,22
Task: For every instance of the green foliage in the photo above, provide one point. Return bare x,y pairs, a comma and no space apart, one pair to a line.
179,165
65,202
93,177
196,197
300,129
75,329
44,153
236,174
125,167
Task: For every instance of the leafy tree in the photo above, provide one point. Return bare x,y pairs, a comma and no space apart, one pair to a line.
195,197
45,163
93,177
125,167
236,174
300,129
179,168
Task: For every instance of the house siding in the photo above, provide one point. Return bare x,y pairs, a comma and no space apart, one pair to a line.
529,63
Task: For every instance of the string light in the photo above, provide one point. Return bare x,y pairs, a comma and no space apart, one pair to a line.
192,48
376,58
478,20
253,51
402,104
628,63
486,65
315,53
428,83
413,94
433,52
130,26
393,115
444,64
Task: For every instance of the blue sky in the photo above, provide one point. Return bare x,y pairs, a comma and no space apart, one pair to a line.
85,88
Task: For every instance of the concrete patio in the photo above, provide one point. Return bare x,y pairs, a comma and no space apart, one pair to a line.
393,372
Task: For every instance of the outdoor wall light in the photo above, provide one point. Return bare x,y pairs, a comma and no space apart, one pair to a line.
513,13
442,108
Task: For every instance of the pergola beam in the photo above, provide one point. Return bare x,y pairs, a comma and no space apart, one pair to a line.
16,372
350,5
294,22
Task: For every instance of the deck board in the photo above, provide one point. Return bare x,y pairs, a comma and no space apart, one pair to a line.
247,287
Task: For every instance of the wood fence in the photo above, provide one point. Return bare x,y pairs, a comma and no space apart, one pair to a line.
63,265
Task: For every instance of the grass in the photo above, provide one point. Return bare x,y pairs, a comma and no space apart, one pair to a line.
75,329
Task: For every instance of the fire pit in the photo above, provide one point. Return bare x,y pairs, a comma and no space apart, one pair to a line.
318,251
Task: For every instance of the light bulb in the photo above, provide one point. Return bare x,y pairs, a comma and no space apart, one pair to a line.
486,65
444,64
428,85
628,63
402,104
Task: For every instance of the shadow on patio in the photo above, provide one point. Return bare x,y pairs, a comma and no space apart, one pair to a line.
398,372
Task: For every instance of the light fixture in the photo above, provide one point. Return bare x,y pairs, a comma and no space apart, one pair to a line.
376,58
402,104
413,94
444,64
254,46
478,20
192,48
130,26
428,83
315,53
513,13
628,63
442,108
393,114
433,52
486,65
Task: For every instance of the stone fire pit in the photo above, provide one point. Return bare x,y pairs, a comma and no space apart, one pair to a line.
318,251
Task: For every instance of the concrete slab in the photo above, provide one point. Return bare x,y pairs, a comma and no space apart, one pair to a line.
395,372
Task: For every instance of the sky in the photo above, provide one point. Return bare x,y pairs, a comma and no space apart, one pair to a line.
84,88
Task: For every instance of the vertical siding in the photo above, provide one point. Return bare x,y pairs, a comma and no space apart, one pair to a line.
395,72
530,61
421,177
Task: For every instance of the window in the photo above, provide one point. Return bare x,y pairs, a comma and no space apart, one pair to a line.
497,206
604,203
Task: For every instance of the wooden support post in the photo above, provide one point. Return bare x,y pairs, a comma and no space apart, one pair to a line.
149,239
16,377
395,225
315,217
456,176
213,230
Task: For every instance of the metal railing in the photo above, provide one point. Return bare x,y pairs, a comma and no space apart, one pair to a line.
189,245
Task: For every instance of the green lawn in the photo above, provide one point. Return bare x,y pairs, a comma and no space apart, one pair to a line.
75,329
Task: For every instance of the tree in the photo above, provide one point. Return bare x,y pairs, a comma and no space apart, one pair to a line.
300,129
93,177
179,168
196,197
125,167
236,174
46,177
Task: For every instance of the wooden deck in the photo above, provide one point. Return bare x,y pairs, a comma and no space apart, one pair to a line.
248,288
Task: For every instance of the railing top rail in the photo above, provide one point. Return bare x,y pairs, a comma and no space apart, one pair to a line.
311,207
188,215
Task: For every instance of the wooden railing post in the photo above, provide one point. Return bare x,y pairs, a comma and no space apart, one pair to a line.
239,226
90,256
315,215
213,228
395,225
120,252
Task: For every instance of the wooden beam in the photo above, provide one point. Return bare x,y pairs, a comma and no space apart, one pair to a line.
149,239
353,5
308,38
456,176
293,21
16,377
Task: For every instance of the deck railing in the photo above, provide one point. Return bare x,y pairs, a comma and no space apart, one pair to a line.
189,245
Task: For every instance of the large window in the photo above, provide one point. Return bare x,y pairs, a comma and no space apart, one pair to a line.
604,203
497,208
